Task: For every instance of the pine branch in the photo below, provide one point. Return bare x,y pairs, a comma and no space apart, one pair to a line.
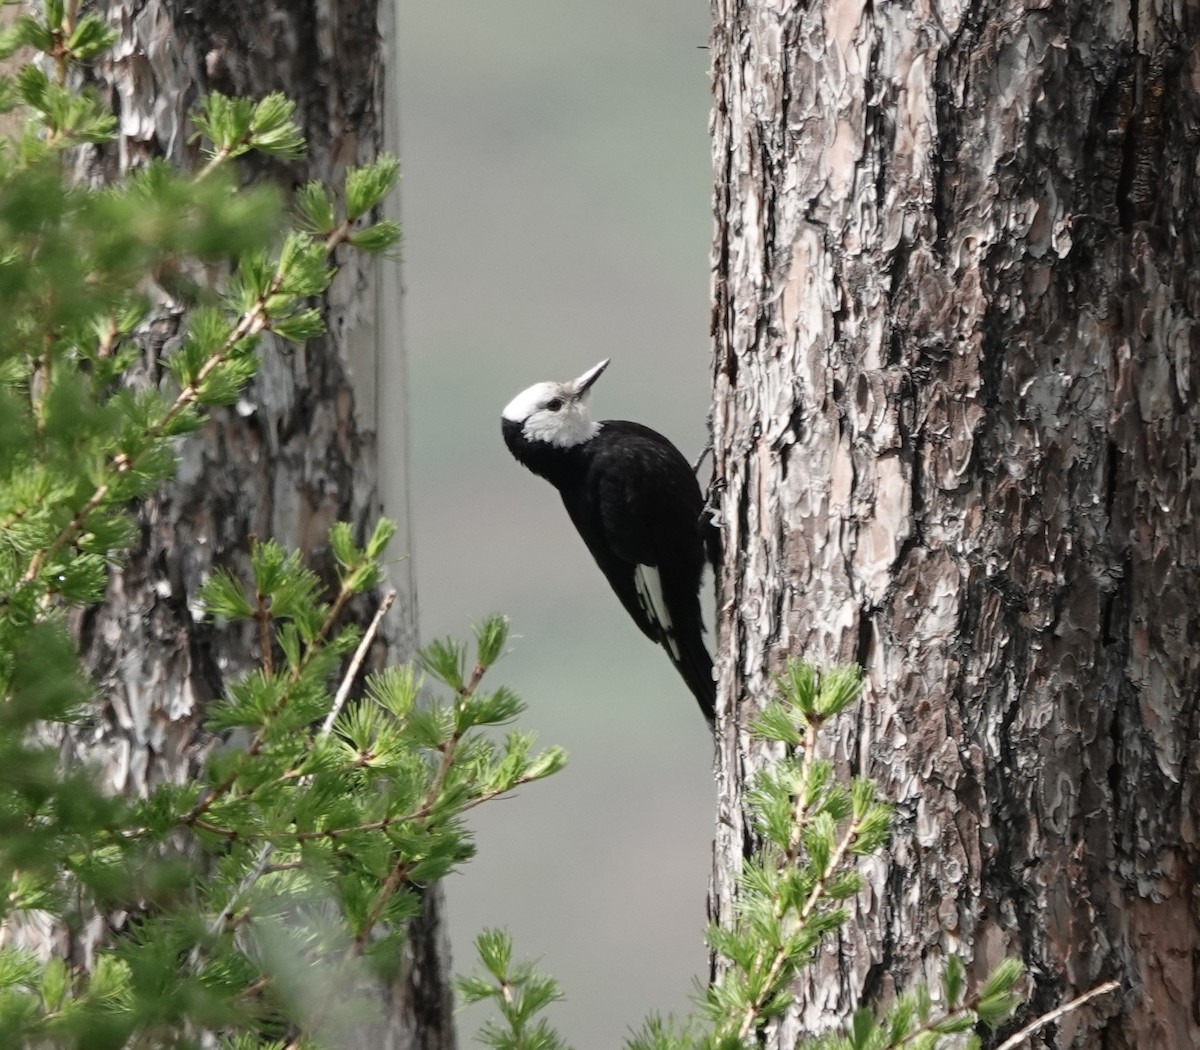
754,1008
1015,1040
339,701
264,619
260,737
262,862
250,323
399,873
408,818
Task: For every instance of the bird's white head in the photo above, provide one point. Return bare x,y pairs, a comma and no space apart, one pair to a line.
556,413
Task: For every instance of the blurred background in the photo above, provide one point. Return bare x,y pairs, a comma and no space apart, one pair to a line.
556,203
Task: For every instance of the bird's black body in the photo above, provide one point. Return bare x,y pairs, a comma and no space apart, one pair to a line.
636,503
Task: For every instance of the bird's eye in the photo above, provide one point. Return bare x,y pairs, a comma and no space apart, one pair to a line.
554,404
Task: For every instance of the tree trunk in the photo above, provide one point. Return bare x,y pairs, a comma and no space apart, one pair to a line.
299,451
958,433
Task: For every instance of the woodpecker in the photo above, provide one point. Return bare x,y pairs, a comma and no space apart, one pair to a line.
636,503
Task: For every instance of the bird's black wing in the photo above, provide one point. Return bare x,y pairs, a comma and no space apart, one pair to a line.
647,534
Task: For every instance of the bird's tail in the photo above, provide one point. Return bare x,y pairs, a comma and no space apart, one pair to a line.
695,666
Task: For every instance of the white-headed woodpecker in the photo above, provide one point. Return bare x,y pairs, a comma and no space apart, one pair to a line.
637,505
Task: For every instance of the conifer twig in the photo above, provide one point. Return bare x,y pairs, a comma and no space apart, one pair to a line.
400,872
339,700
263,861
799,820
260,737
1015,1040
253,321
814,898
250,323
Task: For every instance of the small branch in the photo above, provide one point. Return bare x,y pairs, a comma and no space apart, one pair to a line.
254,988
260,738
810,905
214,829
477,673
190,818
39,385
17,515
263,615
800,813
249,879
262,863
250,323
400,872
839,854
72,528
789,859
339,700
337,833
1013,1041
108,340
214,162
395,877
407,818
337,236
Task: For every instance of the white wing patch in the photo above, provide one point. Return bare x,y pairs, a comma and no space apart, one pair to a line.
648,584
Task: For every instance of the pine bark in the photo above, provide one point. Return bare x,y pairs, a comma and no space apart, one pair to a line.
957,427
298,452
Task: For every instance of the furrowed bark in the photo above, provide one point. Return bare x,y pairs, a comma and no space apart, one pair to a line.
957,433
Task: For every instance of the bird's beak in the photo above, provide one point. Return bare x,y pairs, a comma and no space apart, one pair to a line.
584,383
